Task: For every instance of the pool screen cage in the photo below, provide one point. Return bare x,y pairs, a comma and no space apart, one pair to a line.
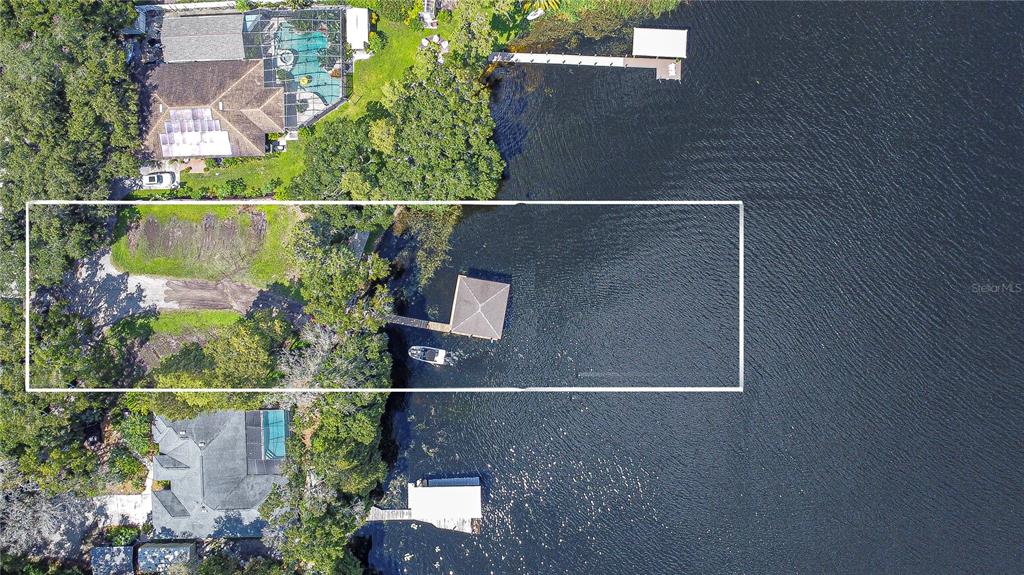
302,51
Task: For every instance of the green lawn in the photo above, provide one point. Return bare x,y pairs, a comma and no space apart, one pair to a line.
258,173
173,241
181,322
388,64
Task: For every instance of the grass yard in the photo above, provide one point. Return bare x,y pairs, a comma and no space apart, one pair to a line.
181,322
257,173
384,66
244,244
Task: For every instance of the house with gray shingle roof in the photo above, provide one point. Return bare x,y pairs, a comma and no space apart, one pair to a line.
227,81
220,467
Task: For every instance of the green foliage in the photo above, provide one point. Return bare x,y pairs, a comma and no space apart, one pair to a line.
241,356
25,566
68,351
334,282
432,227
124,467
45,434
60,235
69,108
244,5
119,535
443,147
136,433
219,563
395,10
476,28
377,41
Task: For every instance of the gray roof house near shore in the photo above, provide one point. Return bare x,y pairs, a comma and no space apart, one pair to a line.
221,466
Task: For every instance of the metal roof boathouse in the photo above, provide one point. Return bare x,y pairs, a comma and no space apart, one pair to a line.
479,308
450,503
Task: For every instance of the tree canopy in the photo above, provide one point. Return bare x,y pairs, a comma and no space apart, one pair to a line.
69,113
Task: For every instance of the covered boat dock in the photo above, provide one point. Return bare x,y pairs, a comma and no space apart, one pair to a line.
450,503
478,310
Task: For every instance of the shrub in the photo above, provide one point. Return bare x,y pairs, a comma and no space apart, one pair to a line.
235,187
394,10
377,42
244,5
123,535
136,433
125,467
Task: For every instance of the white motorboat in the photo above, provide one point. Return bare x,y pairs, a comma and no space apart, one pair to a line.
431,355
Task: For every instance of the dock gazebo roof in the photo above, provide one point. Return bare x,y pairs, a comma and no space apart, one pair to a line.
479,308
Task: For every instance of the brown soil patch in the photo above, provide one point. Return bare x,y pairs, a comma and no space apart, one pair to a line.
161,345
201,294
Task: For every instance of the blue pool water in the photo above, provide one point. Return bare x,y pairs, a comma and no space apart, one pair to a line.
273,434
307,47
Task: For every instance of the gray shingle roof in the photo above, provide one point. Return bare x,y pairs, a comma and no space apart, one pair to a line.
479,308
202,38
215,482
112,560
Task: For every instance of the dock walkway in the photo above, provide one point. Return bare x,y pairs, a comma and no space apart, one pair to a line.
420,323
665,69
378,514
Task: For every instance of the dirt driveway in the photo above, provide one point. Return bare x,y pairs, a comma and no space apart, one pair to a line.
106,295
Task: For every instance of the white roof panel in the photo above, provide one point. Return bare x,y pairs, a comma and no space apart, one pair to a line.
431,503
659,43
357,27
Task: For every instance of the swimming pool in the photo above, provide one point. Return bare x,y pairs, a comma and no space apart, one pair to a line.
274,431
307,48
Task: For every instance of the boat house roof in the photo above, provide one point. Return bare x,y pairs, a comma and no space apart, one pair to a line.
449,503
479,308
659,43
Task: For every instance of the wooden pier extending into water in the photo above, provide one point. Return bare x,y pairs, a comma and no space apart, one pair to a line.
478,310
420,323
661,50
664,69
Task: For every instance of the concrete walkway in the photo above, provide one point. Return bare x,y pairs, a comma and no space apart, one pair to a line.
125,509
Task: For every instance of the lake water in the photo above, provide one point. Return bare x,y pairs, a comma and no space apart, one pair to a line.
878,149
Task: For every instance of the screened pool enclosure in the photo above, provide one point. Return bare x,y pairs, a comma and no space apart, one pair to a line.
302,51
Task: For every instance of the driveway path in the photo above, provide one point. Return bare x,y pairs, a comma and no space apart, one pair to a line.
98,290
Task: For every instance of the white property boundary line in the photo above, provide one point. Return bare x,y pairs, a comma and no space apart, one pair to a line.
577,389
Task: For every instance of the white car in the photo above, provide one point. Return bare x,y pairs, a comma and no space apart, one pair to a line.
158,180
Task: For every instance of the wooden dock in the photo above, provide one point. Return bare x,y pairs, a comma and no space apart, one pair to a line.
420,323
664,68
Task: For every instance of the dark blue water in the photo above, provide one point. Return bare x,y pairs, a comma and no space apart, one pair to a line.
879,150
